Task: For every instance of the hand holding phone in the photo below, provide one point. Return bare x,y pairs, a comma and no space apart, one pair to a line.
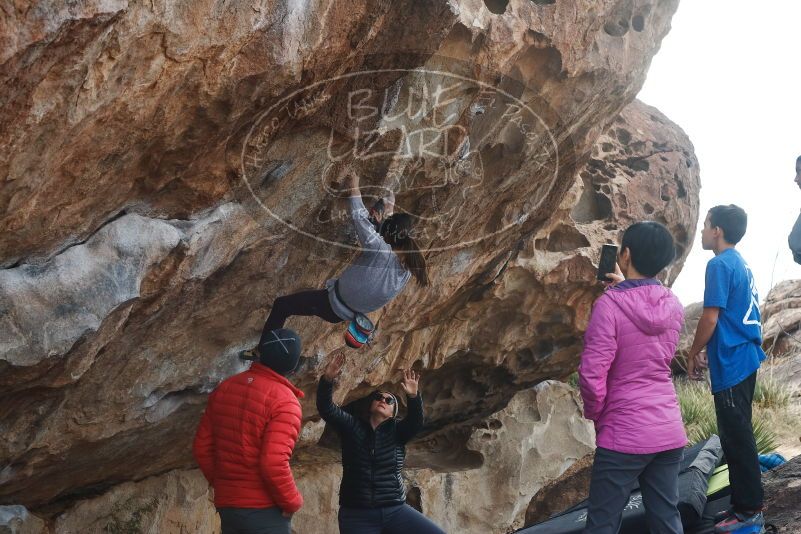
608,263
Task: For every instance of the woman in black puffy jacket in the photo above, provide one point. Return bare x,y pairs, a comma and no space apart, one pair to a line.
372,497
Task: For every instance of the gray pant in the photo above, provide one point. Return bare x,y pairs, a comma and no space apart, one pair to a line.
254,521
614,476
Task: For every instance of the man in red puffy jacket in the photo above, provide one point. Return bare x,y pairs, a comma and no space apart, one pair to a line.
246,438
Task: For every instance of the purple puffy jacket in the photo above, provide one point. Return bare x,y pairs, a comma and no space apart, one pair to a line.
625,376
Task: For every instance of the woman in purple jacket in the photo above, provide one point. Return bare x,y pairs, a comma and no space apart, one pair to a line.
626,386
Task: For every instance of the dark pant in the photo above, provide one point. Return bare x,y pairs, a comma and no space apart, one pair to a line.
614,475
305,303
733,410
253,521
402,519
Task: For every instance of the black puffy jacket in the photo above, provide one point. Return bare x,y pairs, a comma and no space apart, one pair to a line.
372,460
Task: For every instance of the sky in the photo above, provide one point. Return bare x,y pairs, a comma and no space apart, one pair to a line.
729,73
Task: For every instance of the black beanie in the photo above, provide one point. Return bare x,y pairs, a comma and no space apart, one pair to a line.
280,350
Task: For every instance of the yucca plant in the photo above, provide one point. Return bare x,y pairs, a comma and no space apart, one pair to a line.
770,393
765,437
700,422
695,401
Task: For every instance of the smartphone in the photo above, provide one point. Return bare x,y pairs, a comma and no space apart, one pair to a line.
608,263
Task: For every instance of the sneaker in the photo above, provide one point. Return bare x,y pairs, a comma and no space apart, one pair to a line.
250,355
722,516
738,523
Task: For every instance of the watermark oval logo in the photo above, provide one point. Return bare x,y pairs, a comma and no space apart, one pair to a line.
434,141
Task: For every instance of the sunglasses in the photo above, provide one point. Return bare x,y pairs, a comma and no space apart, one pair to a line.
387,399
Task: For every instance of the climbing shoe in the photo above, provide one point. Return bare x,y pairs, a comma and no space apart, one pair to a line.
722,516
250,355
738,523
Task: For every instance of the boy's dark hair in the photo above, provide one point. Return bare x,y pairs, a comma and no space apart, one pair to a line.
651,247
731,219
798,160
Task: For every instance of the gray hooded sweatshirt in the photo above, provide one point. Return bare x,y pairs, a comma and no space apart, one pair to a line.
375,277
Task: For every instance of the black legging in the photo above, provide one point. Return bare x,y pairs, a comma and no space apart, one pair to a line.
305,303
400,519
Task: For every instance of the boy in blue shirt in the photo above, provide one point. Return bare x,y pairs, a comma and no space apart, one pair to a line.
731,331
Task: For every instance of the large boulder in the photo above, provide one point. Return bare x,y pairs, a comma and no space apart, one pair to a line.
167,172
449,448
515,452
781,319
562,493
178,501
692,314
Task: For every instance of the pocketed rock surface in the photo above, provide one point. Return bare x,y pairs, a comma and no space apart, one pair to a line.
152,208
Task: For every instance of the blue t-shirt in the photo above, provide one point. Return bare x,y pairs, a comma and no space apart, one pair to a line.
735,349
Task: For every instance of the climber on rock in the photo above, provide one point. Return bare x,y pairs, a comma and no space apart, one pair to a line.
389,257
372,496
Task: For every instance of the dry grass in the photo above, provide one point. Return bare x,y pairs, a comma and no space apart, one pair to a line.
770,411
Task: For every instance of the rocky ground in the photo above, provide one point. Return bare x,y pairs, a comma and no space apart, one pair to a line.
783,496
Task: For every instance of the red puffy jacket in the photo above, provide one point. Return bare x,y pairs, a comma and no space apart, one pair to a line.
245,440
